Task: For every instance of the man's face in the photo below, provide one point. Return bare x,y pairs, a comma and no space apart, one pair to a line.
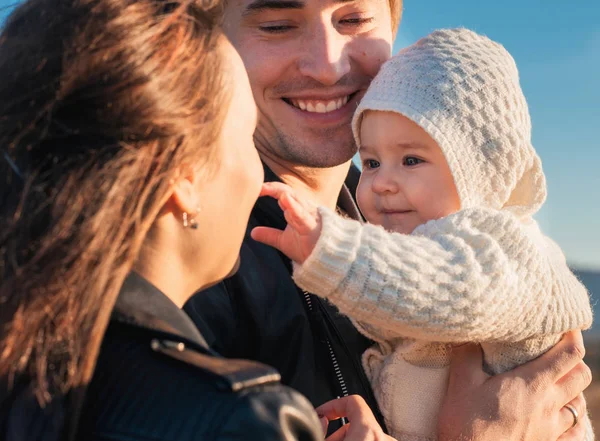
309,64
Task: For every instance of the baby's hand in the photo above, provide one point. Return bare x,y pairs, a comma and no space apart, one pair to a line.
304,224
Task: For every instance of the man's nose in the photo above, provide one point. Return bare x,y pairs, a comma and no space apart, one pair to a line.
385,182
325,57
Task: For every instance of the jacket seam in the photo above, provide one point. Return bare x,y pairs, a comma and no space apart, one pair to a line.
124,436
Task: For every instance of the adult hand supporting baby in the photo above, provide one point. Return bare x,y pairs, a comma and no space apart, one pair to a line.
303,224
525,404
361,426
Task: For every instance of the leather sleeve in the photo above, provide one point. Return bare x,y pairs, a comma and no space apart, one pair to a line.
272,413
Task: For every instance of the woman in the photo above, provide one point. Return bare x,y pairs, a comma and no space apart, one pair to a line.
128,174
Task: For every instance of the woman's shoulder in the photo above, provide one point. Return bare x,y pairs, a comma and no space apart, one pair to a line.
152,387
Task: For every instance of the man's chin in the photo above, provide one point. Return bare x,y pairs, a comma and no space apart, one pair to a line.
324,157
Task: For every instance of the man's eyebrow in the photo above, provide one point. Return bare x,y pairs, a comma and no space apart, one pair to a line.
261,5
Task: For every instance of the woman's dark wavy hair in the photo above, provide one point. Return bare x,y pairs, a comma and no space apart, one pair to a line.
102,103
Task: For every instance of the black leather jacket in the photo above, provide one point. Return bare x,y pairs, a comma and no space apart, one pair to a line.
260,314
156,380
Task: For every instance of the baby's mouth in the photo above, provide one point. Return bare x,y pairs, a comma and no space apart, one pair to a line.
396,211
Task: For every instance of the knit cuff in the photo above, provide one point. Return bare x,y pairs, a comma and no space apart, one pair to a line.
331,259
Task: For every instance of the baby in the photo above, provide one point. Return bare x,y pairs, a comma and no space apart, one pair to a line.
450,174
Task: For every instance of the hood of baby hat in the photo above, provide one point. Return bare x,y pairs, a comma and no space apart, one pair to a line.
463,89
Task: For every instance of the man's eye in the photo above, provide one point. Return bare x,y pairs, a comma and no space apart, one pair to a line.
357,21
275,28
370,164
410,161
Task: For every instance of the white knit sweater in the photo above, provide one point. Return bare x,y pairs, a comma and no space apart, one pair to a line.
479,275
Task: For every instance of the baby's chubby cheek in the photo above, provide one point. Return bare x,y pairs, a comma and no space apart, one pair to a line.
366,202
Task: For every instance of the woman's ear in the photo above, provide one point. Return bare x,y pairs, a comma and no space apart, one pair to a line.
185,194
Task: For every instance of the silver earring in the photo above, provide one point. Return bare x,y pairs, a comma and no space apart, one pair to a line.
192,223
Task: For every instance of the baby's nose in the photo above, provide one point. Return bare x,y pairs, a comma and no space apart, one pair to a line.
385,182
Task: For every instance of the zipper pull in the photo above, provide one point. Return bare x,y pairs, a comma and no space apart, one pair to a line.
343,420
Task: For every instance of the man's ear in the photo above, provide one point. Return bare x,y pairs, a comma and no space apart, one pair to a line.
185,192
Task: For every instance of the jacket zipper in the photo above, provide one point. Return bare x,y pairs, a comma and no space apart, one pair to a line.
359,370
338,371
336,365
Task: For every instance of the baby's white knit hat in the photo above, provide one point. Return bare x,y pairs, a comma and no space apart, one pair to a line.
463,89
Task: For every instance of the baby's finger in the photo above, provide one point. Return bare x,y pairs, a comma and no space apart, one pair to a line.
275,189
292,220
294,212
303,220
353,407
268,236
307,204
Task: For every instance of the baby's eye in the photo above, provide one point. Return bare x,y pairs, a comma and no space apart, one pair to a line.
370,163
410,161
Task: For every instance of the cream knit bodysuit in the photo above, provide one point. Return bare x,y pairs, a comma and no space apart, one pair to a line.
485,274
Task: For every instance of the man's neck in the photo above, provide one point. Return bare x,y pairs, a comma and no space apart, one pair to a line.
320,185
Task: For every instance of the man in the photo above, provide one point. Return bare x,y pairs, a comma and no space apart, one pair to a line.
309,63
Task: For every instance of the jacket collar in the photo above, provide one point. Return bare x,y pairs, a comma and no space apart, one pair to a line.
142,305
346,200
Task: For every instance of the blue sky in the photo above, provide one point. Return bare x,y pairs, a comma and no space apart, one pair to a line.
557,47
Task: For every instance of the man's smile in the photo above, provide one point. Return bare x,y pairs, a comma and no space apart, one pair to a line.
319,105
324,108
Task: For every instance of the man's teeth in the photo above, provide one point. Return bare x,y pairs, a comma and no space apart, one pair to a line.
320,106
